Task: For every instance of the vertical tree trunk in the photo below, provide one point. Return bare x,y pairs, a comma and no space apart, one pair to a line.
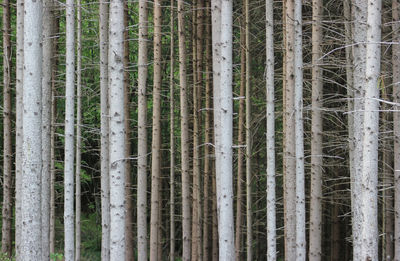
78,133
207,140
6,246
186,231
129,254
241,153
396,125
156,135
31,246
52,139
316,138
142,134
289,137
270,88
299,134
117,130
369,204
172,136
69,134
223,124
18,126
249,142
105,150
197,83
48,53
359,37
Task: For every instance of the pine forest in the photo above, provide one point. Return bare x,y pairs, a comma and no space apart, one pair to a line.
200,130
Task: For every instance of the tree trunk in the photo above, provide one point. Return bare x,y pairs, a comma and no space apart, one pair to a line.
369,200
172,137
316,136
104,130
78,133
289,137
117,130
223,124
270,88
241,153
18,126
129,254
52,139
359,37
207,140
249,142
6,244
197,83
156,135
299,134
142,134
186,231
31,246
69,134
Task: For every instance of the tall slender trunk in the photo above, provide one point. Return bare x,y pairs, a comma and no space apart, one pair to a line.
117,130
299,134
315,232
369,200
270,88
19,126
241,152
156,135
223,124
289,137
31,246
52,138
359,10
249,142
172,136
207,140
197,84
6,246
142,134
69,134
104,130
186,231
396,125
78,133
129,254
48,53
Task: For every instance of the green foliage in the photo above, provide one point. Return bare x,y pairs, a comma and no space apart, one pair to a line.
5,257
56,256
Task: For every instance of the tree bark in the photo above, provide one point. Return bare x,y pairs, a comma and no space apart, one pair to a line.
289,137
78,133
359,10
241,153
156,135
270,89
172,135
316,136
19,126
223,124
6,244
104,129
69,134
369,200
117,130
186,231
142,134
31,243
